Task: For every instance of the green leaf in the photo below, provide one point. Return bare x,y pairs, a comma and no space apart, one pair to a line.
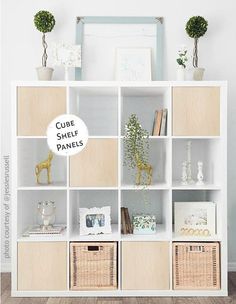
196,27
44,21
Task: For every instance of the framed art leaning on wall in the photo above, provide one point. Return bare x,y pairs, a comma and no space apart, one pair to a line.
101,36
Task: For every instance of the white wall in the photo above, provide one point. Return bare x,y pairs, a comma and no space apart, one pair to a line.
21,51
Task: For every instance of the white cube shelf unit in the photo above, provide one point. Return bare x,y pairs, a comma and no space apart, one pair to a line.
96,177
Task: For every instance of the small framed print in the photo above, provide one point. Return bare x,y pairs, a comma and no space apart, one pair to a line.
68,55
195,218
133,64
95,220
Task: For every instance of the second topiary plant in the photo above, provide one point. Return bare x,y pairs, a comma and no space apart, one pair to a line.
196,27
44,21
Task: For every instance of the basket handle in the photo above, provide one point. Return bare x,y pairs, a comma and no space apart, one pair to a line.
94,248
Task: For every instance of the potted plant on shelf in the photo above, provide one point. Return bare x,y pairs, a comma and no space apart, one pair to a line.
196,27
181,60
136,151
44,21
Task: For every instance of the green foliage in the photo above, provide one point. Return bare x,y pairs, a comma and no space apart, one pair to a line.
196,27
44,21
136,143
182,58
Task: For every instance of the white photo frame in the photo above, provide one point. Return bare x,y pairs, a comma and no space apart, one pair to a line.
95,220
195,219
133,64
67,55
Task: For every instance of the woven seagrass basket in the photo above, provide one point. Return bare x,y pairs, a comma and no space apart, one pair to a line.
196,265
93,265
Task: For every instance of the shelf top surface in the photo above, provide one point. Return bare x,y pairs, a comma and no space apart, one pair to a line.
122,84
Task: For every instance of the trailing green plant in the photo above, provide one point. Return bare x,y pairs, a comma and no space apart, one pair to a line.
44,21
136,145
196,27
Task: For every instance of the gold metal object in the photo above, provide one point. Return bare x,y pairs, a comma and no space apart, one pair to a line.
141,166
46,164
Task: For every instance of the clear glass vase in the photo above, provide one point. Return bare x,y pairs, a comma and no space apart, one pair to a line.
46,214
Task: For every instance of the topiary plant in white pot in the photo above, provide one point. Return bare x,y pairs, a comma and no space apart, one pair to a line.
196,27
44,21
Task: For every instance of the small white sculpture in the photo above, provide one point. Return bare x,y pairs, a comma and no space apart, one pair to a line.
189,164
200,174
184,173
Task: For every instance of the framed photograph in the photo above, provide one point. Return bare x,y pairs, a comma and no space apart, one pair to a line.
195,218
95,220
133,64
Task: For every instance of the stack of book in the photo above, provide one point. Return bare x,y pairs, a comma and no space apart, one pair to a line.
160,123
126,226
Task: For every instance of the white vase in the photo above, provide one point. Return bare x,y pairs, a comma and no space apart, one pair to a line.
181,73
44,73
198,73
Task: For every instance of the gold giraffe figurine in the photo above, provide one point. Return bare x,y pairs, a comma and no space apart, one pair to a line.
46,164
141,166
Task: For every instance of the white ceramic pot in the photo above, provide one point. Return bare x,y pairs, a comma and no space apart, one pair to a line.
180,73
44,73
198,73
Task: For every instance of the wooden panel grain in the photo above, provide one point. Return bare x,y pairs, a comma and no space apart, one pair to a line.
42,266
145,265
37,107
196,111
96,165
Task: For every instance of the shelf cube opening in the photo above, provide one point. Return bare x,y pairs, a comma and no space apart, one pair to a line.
98,108
30,153
214,196
151,202
207,151
144,102
91,199
28,202
159,159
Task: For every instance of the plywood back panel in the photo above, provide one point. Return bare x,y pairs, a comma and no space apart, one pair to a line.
96,165
37,107
145,265
196,111
42,266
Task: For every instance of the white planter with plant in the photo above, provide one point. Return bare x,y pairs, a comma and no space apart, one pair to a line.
196,27
44,21
181,60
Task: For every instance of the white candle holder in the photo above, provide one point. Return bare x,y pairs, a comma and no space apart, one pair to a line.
200,177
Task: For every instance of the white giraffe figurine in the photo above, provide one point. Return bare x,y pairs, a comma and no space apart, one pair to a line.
200,173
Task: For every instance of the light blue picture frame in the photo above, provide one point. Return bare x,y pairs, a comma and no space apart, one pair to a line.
158,21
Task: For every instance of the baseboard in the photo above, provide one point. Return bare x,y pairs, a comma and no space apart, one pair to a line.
231,266
5,267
